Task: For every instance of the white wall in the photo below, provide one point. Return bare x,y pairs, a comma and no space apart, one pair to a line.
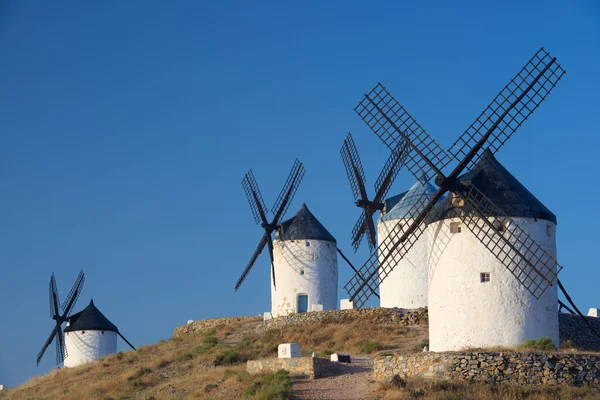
406,285
465,313
89,346
302,269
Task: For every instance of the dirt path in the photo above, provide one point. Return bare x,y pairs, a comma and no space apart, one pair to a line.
348,381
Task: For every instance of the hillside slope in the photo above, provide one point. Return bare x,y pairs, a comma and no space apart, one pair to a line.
206,359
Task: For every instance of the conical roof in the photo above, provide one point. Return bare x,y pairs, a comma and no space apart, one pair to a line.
303,226
90,319
404,208
502,188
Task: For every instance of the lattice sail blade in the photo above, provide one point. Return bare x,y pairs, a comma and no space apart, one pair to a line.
389,172
48,342
54,299
289,190
359,230
61,350
354,169
511,107
255,199
527,261
390,251
387,119
259,249
71,299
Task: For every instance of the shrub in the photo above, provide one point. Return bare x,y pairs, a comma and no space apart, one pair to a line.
210,341
119,355
544,344
369,347
228,357
185,357
272,386
140,372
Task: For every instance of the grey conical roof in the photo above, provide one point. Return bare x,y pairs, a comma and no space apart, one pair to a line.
502,188
304,225
405,207
90,319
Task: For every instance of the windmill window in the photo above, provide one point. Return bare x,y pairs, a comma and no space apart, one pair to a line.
307,244
102,332
301,272
484,277
455,227
549,230
283,245
82,332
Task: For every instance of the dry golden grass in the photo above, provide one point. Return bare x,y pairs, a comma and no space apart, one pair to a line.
447,390
209,364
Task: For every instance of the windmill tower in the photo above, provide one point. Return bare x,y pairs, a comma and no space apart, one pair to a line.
89,335
515,247
406,285
306,266
460,263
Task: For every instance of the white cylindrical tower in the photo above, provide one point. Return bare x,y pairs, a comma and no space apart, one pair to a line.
406,284
306,272
474,300
89,335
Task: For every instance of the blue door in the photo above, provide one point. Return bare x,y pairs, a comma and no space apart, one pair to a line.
302,303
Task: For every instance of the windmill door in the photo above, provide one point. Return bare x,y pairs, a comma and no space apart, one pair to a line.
302,303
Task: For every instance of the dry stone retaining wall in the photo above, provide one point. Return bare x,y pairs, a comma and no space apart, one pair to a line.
573,329
376,315
299,366
523,368
206,324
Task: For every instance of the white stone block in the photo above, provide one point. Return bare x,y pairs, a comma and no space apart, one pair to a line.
340,357
593,312
289,350
267,316
1,387
190,321
316,307
346,304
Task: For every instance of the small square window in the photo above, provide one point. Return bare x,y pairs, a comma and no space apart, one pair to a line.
307,244
499,226
549,230
455,227
301,272
484,277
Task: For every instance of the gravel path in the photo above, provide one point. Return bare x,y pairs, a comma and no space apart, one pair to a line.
348,381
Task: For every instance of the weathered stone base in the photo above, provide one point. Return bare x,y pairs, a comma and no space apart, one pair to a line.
300,366
522,368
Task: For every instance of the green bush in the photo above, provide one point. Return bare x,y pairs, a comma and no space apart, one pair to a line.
210,341
274,386
229,357
543,344
119,355
185,357
368,347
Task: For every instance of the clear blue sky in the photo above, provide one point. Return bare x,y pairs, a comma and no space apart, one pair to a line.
125,131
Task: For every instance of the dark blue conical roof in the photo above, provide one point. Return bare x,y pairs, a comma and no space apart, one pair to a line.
303,226
90,319
502,188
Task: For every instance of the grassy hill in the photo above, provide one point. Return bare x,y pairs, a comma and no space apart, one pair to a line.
206,360
210,363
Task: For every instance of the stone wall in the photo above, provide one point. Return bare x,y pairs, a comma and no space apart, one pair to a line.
206,324
573,328
374,315
299,366
522,368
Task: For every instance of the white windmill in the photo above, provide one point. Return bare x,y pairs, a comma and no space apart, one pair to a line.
527,263
304,271
89,334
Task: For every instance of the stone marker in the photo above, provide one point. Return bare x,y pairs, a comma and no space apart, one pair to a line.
593,312
267,316
289,350
1,387
341,357
190,321
346,304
